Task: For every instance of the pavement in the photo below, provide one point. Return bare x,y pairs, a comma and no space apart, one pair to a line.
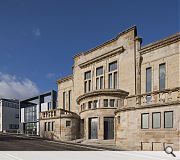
12,142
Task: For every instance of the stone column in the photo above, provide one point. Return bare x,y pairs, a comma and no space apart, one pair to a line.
138,61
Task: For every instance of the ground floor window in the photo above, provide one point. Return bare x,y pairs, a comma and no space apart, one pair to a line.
168,119
145,120
109,128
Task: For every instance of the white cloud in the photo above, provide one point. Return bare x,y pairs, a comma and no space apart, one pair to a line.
14,87
36,32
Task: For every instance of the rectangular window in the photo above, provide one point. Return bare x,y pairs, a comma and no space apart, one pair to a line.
148,79
95,103
156,120
101,83
64,100
168,119
162,75
45,125
99,78
112,77
115,80
113,66
69,99
97,83
145,120
112,101
85,87
89,87
89,104
99,71
49,126
87,75
68,123
110,81
105,102
52,126
87,81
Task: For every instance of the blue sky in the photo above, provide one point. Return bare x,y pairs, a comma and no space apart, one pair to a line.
39,37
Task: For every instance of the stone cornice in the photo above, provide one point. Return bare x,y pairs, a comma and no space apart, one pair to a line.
64,79
108,92
161,43
107,42
102,57
167,104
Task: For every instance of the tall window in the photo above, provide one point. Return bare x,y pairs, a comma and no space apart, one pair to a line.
145,120
148,82
45,125
52,126
87,81
112,77
99,78
162,75
168,119
156,120
49,126
69,99
64,100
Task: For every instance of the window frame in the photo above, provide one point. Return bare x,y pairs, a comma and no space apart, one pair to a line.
164,76
172,119
142,120
111,75
153,120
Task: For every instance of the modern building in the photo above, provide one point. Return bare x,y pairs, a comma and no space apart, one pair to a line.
9,115
124,93
30,111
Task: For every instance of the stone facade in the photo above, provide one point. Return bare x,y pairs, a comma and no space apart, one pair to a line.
108,91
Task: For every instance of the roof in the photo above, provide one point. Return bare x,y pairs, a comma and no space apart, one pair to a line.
67,78
107,42
161,43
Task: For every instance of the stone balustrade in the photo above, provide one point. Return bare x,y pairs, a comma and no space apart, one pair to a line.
55,113
156,97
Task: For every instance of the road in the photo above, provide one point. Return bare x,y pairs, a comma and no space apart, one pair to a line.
19,143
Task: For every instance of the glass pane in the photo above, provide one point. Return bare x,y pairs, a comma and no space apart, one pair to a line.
162,74
101,83
87,75
145,120
112,66
97,83
89,87
96,104
148,80
85,86
105,102
115,80
89,105
110,80
156,119
168,119
112,102
99,71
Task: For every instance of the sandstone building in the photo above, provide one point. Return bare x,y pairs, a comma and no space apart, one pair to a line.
121,92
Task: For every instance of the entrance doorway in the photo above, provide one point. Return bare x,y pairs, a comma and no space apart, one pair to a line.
93,128
108,128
